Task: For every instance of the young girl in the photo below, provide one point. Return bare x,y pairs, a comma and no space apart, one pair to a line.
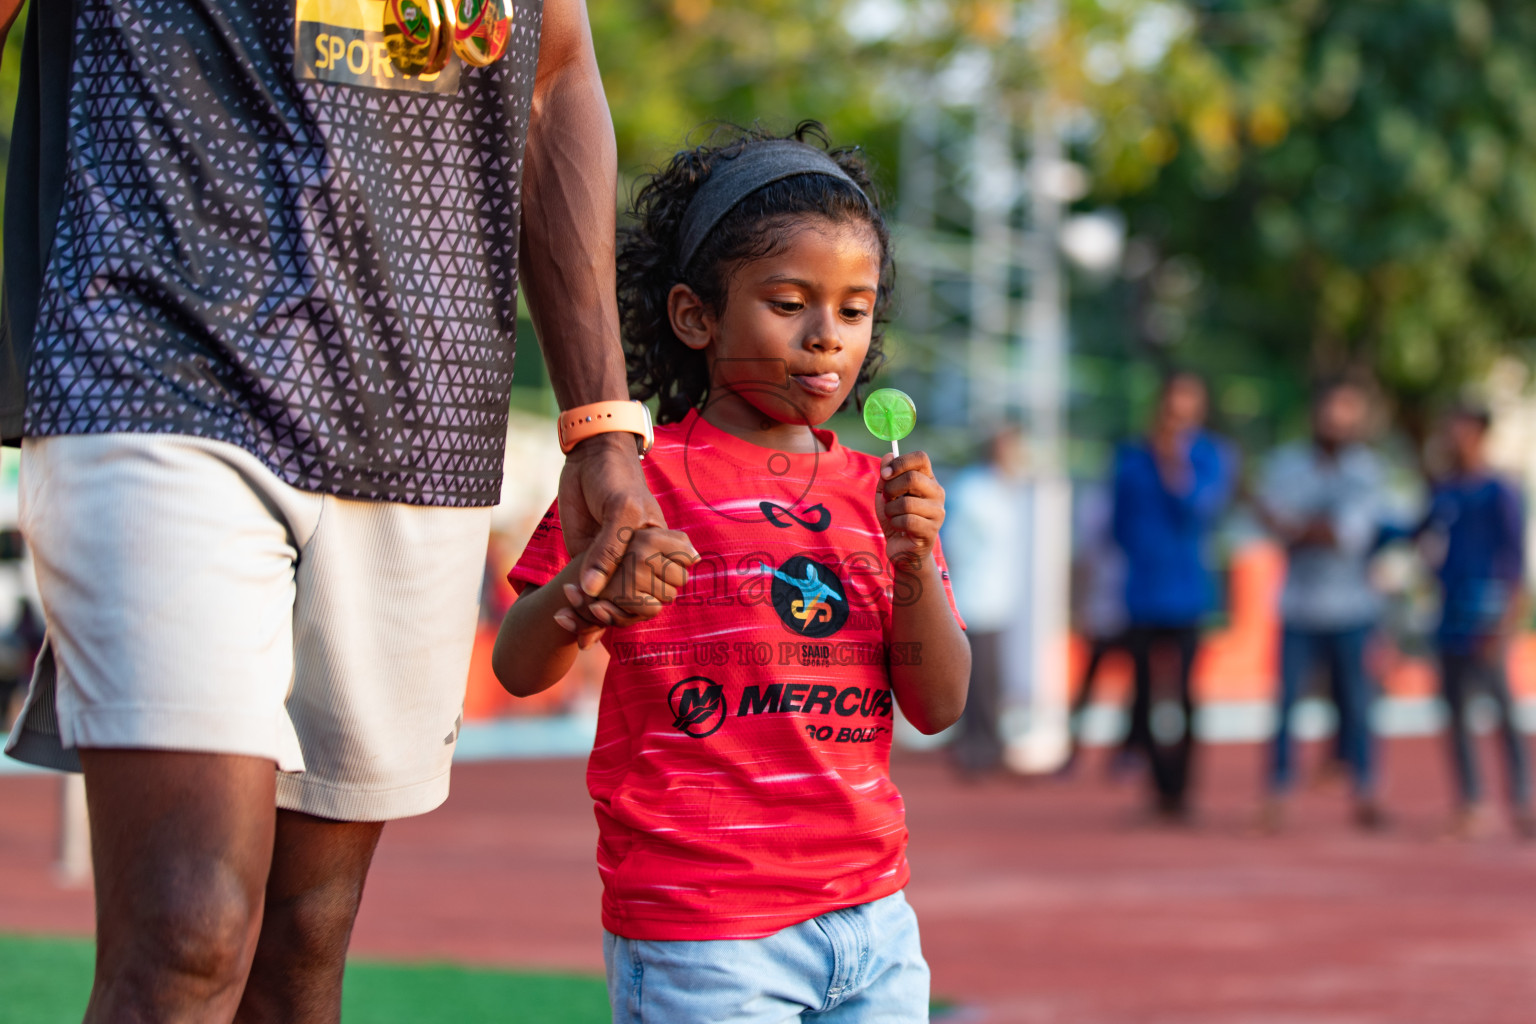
751,842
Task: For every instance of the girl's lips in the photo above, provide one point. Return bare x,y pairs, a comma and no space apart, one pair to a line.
822,384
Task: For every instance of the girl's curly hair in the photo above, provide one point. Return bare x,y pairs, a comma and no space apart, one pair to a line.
660,365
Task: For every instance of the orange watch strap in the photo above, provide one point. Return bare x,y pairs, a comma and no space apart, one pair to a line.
576,425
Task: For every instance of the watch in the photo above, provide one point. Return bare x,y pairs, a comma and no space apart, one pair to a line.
584,421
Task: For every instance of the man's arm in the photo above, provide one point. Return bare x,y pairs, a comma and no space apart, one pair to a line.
570,182
1357,523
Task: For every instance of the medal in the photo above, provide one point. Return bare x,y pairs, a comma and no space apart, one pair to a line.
413,34
423,35
483,30
444,51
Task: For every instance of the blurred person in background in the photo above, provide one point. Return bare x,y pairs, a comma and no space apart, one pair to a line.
1479,517
1322,500
984,538
1098,608
1171,487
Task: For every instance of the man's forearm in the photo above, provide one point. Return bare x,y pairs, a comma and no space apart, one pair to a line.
570,181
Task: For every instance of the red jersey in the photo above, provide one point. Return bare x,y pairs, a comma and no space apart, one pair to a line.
741,770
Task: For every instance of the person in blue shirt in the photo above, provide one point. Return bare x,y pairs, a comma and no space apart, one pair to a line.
1170,489
1480,518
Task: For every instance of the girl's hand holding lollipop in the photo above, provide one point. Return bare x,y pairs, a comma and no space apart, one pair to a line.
910,502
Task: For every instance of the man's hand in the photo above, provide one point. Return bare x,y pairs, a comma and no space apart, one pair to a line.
652,572
1318,533
603,501
1494,648
910,507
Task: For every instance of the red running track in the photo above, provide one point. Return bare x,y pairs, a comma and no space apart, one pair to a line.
1040,902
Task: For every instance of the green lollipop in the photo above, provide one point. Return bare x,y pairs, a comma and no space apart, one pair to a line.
890,415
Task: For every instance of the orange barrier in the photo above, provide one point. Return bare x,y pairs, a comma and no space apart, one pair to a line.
1240,662
484,698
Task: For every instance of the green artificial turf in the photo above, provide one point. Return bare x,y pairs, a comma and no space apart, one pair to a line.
377,993
43,981
46,981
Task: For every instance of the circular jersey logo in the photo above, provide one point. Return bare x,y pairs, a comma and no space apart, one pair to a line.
809,597
698,706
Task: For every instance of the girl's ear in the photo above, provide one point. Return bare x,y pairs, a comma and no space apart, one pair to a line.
691,319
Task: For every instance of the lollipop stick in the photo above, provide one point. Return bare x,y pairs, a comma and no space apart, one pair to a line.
895,449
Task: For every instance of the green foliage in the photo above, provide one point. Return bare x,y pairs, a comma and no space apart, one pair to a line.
1374,204
1347,184
672,67
859,66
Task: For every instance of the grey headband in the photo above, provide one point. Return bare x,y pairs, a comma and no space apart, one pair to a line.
733,179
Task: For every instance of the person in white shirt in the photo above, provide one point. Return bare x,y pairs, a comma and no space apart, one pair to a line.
984,538
1322,499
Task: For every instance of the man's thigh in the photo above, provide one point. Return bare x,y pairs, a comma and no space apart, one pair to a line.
1346,662
1458,677
1298,653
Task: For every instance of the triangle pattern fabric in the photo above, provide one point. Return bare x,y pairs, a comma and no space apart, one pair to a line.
322,274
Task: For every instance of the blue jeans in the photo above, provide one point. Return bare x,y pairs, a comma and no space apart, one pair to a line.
1463,670
1344,653
859,965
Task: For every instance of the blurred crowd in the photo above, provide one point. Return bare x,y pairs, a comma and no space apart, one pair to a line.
1146,588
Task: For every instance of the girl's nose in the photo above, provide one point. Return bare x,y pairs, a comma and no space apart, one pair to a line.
824,335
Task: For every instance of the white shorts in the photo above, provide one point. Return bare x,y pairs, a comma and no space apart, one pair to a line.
196,602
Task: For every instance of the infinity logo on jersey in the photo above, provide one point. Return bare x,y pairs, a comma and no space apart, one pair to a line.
809,597
817,518
698,706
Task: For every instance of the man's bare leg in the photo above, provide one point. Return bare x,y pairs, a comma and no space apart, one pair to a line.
182,844
315,888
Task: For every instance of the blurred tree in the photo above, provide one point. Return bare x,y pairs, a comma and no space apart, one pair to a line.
1310,184
673,66
1360,191
860,66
